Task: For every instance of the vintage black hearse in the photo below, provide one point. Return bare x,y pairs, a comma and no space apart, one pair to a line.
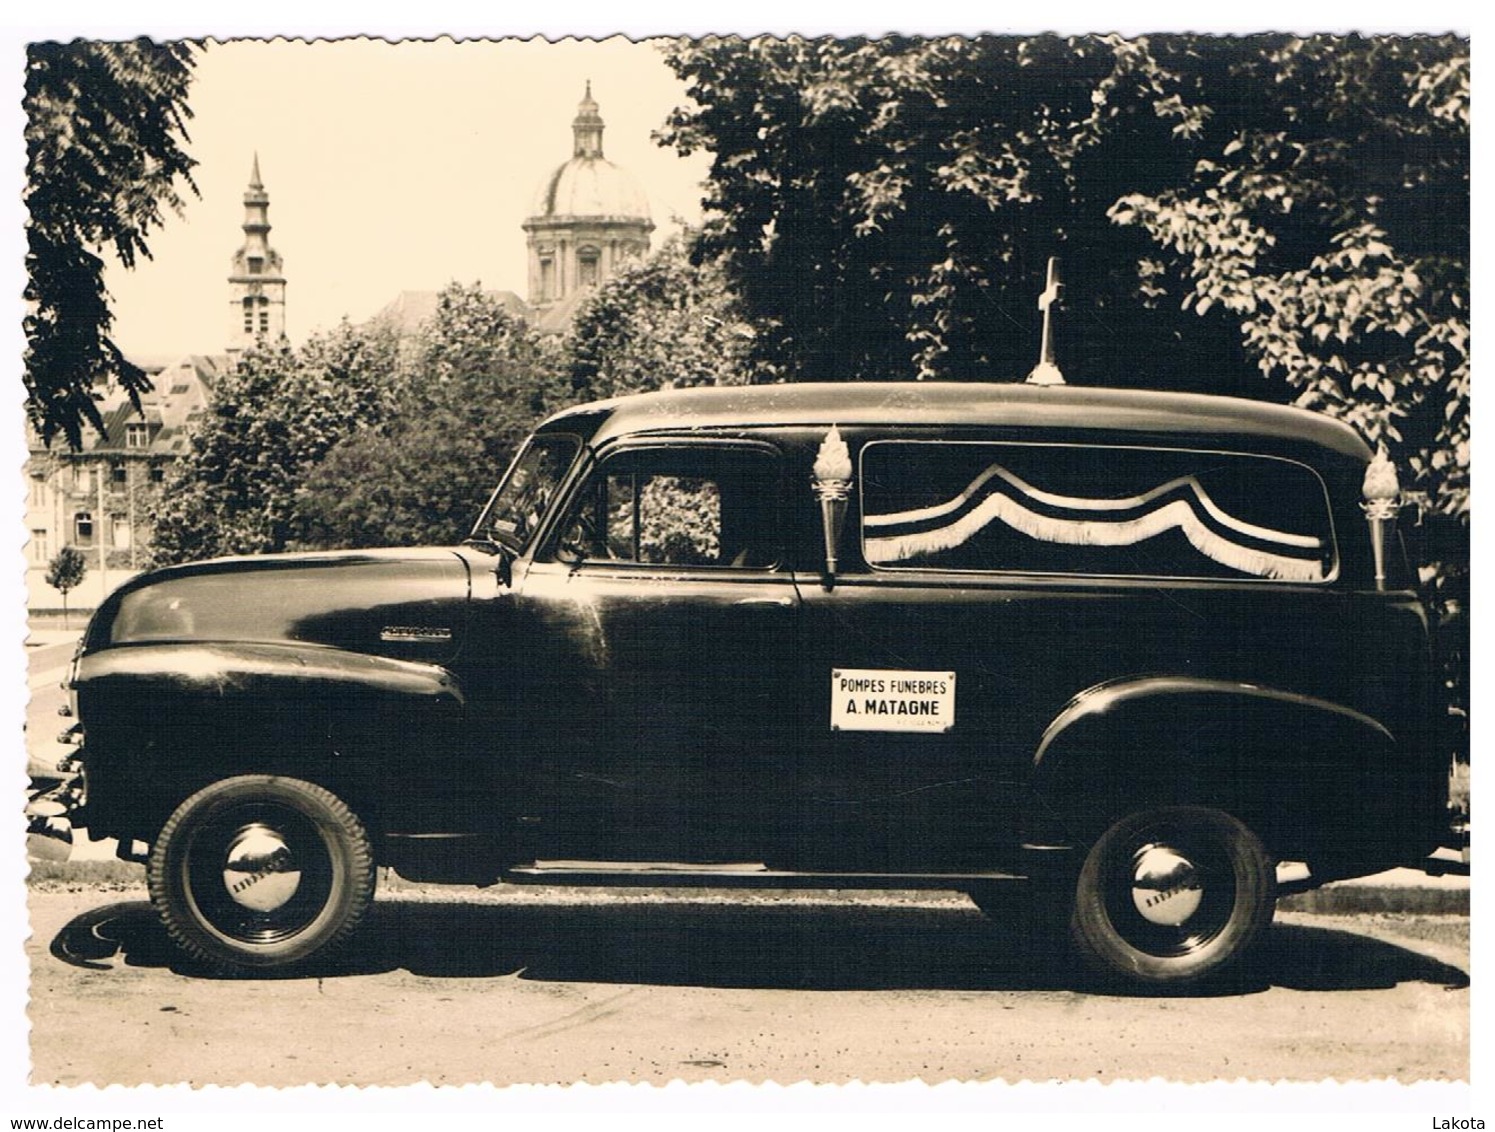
1131,650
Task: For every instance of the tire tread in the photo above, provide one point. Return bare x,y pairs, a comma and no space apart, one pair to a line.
181,926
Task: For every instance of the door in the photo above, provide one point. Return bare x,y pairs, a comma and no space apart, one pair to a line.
668,618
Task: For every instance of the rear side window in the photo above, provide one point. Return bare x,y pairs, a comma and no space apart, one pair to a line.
1107,511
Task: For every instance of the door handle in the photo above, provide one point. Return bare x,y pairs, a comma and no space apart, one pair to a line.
781,602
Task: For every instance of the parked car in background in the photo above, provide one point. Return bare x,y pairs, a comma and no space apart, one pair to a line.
1128,652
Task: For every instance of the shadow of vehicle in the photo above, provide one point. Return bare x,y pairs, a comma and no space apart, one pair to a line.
128,931
1300,957
839,946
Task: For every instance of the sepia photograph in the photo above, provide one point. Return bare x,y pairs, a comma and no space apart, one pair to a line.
743,560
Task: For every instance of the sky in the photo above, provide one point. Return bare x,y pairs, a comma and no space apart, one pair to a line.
390,167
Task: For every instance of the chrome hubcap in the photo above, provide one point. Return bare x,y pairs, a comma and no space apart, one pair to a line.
1166,887
259,870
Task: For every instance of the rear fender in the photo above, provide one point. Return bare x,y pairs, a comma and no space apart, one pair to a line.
1311,777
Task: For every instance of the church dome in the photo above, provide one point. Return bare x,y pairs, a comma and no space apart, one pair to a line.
589,185
589,220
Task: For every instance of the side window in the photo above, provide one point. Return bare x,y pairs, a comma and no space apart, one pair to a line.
677,507
514,513
1105,511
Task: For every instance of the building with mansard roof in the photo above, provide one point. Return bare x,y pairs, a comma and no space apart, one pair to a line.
99,499
410,311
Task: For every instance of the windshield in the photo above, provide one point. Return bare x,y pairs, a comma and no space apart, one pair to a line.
522,499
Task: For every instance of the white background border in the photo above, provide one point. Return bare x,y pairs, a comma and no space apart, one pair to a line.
1368,1106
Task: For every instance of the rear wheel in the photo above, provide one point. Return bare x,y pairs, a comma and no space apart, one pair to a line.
261,871
1171,896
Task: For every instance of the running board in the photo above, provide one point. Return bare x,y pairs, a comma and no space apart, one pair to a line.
652,874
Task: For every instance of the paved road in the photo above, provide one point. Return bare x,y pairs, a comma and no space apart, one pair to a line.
453,986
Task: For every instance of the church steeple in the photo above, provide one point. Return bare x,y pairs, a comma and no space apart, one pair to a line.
586,127
257,289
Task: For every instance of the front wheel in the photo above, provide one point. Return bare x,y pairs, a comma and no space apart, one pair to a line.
1171,896
261,871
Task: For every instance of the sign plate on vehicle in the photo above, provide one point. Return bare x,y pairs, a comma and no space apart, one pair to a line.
887,699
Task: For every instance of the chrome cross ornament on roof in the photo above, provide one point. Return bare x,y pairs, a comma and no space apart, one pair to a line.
1046,372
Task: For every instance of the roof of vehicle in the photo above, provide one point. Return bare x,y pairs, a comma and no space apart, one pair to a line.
958,403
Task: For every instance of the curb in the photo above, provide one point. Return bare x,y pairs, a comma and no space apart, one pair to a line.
1404,891
1354,901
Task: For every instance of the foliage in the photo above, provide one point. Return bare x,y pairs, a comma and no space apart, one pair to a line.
664,323
474,384
275,417
886,208
1333,224
666,519
66,570
105,126
1294,208
357,442
680,521
358,439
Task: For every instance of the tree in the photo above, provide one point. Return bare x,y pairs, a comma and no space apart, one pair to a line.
474,383
272,420
668,322
1333,225
1227,209
64,573
887,208
105,127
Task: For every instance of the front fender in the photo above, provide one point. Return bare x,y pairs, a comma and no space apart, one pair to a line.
1312,777
225,671
162,720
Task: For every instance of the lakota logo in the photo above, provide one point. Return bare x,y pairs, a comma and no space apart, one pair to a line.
998,495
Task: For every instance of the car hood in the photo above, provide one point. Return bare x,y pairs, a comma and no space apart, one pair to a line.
410,604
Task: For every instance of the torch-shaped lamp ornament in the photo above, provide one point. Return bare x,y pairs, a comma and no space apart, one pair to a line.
1382,499
832,487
